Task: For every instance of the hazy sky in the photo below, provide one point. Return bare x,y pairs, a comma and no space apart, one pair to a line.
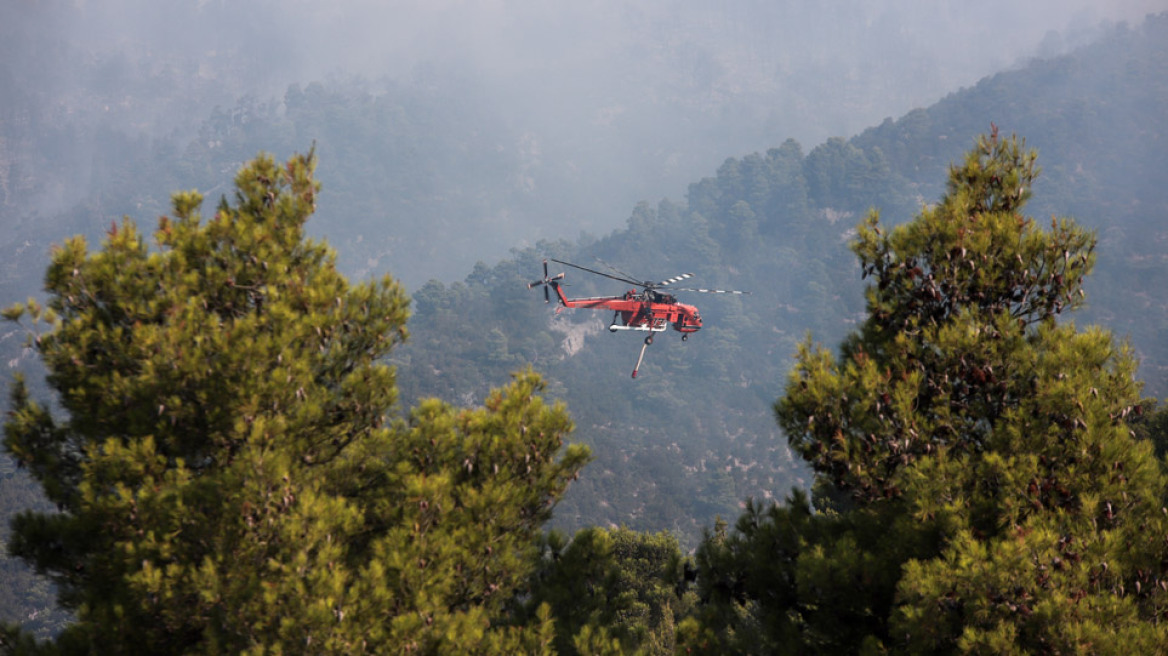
612,102
543,57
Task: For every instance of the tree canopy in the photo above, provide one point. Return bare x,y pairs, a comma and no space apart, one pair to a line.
978,488
610,591
228,472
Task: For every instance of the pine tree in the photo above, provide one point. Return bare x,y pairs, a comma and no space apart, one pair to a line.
609,591
978,486
227,472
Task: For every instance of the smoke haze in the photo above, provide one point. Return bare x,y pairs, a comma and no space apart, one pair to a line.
603,103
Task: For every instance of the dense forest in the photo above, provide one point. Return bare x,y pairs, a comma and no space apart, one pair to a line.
694,436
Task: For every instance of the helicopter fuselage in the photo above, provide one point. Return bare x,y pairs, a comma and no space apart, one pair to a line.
648,311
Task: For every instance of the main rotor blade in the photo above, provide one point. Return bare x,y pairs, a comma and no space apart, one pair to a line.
626,275
652,285
711,291
601,273
547,297
674,279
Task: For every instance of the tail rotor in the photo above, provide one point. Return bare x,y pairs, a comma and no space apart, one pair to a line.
546,282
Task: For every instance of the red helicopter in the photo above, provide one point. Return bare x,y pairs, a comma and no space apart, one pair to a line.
647,310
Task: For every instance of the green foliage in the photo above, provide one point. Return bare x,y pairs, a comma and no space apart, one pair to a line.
610,591
1150,423
225,472
980,488
839,172
789,579
955,291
